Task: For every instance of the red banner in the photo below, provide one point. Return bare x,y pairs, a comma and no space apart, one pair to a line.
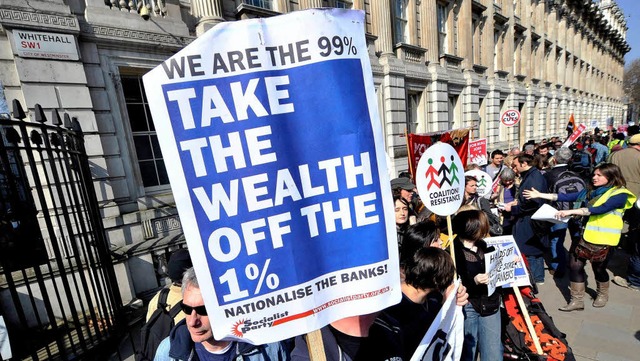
575,135
418,144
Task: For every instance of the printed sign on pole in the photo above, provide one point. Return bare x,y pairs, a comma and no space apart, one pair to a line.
440,179
278,172
510,117
478,151
484,182
575,135
505,267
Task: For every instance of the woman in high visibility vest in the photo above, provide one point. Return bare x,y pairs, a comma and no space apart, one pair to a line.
605,202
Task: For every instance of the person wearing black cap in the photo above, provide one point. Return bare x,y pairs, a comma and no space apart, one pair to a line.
179,262
403,187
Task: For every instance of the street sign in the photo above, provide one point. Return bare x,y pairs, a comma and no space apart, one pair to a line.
510,117
279,174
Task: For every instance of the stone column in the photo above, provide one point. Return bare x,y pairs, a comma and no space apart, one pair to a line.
381,14
310,4
465,35
208,13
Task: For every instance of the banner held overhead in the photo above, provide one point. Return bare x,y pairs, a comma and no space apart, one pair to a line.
278,172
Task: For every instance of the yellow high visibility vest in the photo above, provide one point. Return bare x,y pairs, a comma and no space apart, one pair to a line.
605,229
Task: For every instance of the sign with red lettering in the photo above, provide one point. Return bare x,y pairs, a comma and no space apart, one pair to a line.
510,117
37,44
575,135
478,151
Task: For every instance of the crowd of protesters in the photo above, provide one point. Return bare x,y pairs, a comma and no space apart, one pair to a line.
605,168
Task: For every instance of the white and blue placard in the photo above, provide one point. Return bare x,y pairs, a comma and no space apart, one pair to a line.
275,156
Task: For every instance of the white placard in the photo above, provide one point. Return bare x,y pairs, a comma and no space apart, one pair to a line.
440,179
484,182
278,170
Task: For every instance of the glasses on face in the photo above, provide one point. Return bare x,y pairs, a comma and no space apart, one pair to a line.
200,310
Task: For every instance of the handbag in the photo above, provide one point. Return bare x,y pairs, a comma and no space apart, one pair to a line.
590,251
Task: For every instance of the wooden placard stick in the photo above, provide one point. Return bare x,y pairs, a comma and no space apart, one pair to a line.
315,346
527,320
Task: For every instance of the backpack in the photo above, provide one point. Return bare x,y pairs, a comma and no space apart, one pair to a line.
568,182
517,341
581,159
157,328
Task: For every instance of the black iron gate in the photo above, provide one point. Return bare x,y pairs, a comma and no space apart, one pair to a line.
58,293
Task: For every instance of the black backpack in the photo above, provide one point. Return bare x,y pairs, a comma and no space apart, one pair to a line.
568,182
157,328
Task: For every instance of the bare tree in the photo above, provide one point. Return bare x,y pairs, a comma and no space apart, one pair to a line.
632,80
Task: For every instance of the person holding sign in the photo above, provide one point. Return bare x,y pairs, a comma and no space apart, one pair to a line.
605,204
482,325
192,338
471,198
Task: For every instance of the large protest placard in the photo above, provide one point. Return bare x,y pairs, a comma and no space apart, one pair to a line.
505,265
277,165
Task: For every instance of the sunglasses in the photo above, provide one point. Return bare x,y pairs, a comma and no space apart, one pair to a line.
200,310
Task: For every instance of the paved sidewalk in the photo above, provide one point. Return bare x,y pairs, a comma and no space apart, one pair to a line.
611,333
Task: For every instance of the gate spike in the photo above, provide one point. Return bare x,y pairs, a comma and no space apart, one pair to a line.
18,112
67,121
75,125
40,117
55,117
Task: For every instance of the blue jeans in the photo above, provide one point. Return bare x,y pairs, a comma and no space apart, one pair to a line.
482,334
536,265
556,243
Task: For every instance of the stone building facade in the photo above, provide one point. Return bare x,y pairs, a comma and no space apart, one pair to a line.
437,64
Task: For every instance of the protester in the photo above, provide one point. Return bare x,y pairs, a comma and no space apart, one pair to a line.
604,206
472,199
618,139
529,241
424,271
562,157
192,338
506,193
602,152
401,209
629,162
482,325
529,149
494,168
179,262
515,151
404,187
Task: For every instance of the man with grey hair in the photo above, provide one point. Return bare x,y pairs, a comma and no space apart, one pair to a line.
561,180
192,338
529,149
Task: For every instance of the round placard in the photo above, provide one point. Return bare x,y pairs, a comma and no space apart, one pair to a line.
484,182
440,179
510,117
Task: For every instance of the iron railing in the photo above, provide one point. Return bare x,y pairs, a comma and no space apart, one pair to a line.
60,298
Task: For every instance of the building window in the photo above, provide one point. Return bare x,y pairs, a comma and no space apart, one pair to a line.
145,140
400,21
453,112
442,28
265,4
343,4
413,102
